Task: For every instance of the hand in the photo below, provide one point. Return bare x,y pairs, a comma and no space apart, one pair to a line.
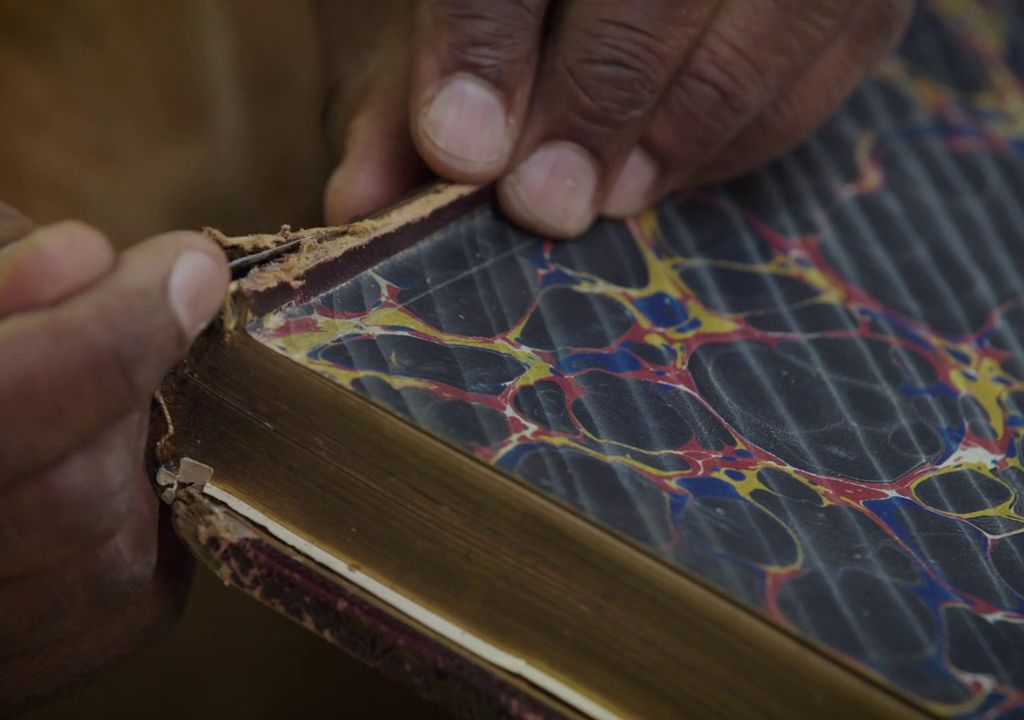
85,338
587,107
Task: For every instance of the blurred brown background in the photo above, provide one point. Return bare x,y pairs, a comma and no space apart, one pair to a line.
232,657
142,117
139,117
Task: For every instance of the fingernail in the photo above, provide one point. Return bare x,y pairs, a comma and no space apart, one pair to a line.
196,290
466,120
555,187
632,190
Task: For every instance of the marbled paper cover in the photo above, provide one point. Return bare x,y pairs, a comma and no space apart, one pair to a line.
805,387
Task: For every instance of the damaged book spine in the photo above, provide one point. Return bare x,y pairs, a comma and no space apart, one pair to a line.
246,557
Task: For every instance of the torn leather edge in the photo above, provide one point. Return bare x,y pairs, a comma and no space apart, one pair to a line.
408,607
295,266
244,555
241,246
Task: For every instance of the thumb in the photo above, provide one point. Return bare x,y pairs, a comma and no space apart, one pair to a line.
71,370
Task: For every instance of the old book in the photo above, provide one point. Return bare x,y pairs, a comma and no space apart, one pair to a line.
755,453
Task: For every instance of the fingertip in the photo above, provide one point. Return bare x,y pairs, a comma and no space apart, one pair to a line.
51,264
196,273
196,289
345,198
336,210
380,164
462,130
367,181
354,191
74,241
553,191
634,188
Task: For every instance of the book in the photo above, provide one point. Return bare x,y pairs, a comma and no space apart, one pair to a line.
754,453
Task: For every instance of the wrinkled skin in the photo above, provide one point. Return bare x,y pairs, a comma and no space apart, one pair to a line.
579,108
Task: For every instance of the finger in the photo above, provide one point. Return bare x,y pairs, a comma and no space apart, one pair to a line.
69,372
51,264
600,79
473,69
76,506
380,163
13,225
871,32
750,52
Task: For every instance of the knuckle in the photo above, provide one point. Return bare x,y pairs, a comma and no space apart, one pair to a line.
616,78
80,229
88,240
788,121
488,60
807,23
720,89
474,14
487,38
